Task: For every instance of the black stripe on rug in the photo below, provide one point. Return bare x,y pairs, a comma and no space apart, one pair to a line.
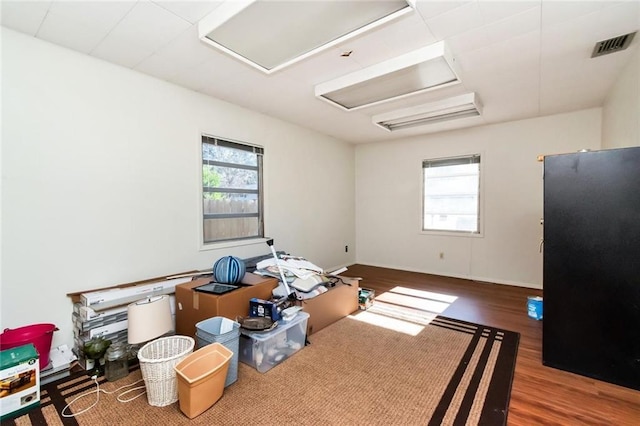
472,389
57,393
447,396
496,404
51,394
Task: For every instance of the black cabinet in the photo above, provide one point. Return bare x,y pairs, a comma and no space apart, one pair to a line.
591,282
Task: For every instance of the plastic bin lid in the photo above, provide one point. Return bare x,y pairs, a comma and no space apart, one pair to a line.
282,326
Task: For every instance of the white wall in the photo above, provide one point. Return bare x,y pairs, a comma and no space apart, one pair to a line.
621,110
388,198
101,181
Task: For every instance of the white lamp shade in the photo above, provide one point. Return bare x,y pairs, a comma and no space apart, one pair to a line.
149,318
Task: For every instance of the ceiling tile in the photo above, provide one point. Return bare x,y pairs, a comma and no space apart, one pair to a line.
191,11
493,11
66,32
513,26
580,85
555,99
404,35
430,8
555,12
517,98
184,52
22,16
149,25
471,40
579,35
323,66
121,51
618,19
365,50
218,72
100,15
497,57
455,21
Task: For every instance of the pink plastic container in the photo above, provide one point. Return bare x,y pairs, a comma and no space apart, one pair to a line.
40,335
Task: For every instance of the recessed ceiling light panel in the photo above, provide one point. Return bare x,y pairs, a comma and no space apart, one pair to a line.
270,35
454,108
428,68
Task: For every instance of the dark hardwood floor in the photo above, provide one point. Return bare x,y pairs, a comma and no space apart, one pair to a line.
540,395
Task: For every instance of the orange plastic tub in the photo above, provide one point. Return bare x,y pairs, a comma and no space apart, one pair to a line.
201,376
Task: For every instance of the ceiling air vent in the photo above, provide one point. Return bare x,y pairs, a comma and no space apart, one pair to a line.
612,45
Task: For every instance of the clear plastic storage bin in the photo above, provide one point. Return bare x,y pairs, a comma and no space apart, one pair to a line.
263,351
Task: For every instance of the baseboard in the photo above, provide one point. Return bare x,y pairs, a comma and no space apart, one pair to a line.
335,268
464,277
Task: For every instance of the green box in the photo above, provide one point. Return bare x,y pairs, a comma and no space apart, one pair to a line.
19,381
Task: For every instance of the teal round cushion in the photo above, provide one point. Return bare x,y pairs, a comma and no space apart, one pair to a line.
229,270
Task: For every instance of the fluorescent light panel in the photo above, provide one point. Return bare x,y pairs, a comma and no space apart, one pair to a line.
421,70
457,107
270,35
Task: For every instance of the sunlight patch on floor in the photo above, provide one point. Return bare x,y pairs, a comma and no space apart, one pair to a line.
403,313
389,323
413,302
447,298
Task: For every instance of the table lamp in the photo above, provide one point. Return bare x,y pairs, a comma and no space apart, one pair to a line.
148,319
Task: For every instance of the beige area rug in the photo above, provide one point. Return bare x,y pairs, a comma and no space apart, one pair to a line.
351,373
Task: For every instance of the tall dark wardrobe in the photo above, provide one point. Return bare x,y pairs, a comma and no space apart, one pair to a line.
591,322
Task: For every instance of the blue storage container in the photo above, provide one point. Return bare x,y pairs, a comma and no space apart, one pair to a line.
226,332
534,307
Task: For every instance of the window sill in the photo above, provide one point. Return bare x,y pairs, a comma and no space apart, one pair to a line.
453,234
235,243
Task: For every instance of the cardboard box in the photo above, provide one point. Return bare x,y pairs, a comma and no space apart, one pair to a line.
105,330
327,308
86,314
83,326
105,299
193,306
19,381
263,308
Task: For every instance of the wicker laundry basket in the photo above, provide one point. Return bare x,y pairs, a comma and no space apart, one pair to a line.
157,361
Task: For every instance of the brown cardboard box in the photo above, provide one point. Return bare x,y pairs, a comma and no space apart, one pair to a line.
331,306
193,306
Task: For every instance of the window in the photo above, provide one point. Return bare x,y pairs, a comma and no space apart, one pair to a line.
231,190
451,197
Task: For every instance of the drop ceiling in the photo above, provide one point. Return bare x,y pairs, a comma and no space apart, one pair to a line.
523,59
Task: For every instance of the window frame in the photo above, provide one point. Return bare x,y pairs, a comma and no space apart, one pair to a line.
480,192
243,146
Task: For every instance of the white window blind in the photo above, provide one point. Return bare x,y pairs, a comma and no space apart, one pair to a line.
231,190
451,197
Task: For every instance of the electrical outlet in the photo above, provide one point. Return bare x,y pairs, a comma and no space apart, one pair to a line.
441,255
346,249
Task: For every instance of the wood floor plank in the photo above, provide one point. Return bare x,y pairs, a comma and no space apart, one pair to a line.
540,395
